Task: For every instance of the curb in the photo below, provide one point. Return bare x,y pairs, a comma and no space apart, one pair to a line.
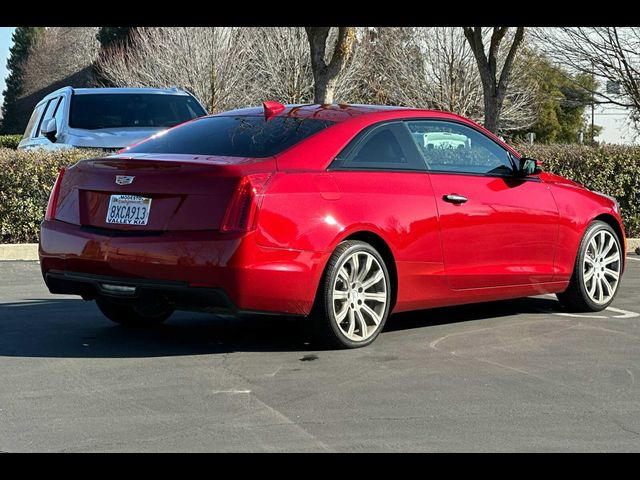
19,251
29,251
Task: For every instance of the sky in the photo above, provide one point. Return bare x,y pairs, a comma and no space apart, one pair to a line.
5,45
612,119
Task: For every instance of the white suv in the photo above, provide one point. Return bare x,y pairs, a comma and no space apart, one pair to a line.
106,118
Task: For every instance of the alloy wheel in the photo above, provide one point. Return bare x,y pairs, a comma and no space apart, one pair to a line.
359,296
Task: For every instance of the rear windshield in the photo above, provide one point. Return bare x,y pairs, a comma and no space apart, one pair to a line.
122,110
234,136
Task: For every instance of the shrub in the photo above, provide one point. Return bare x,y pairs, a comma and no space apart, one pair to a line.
610,169
26,178
10,141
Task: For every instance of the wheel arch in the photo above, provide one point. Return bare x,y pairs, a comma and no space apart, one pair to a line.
383,248
613,223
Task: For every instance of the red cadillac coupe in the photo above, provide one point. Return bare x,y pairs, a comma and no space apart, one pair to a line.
340,213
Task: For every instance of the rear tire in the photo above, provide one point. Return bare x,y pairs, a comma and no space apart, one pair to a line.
130,315
354,297
597,270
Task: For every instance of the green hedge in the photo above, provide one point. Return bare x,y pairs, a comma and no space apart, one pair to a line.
611,169
26,179
10,141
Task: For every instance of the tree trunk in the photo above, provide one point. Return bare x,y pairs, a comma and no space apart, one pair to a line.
491,112
324,89
325,75
494,85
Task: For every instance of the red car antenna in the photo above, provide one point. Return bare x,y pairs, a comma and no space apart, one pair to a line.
272,108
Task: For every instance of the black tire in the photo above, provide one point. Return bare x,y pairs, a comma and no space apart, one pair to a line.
576,297
130,315
327,332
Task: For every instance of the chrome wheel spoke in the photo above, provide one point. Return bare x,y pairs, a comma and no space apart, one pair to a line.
362,275
373,280
601,242
607,286
342,313
352,324
609,246
589,275
355,266
600,292
340,295
613,258
364,328
343,275
376,297
592,288
372,314
611,273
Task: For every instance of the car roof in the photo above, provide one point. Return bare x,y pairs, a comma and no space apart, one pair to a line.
338,112
104,90
159,91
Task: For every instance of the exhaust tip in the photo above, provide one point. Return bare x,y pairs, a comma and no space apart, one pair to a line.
118,289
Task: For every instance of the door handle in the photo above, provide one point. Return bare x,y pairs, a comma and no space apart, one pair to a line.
454,198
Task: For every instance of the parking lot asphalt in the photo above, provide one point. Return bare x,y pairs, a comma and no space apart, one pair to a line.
518,375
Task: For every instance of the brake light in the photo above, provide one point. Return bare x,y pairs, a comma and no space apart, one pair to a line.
52,205
242,212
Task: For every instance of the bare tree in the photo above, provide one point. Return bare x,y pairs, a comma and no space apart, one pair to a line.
326,68
495,80
280,67
208,61
60,53
436,68
607,53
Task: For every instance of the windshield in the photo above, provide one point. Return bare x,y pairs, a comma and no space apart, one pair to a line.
234,136
122,110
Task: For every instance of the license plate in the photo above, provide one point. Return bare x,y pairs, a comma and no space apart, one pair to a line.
128,210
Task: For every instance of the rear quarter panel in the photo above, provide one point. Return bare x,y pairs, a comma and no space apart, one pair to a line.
315,211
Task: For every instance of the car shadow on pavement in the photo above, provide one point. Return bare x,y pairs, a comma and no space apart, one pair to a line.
473,311
70,328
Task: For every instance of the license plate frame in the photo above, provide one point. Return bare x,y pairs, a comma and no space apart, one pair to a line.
128,210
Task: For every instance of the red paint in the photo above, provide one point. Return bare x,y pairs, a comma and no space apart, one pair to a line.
263,229
272,108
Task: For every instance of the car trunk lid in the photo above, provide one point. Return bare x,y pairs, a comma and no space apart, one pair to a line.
181,192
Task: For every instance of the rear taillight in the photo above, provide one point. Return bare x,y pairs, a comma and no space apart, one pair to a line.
242,211
52,205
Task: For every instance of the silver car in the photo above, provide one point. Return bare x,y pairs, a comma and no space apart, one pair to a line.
106,118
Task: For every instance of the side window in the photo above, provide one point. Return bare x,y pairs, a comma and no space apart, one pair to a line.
34,121
48,113
58,113
452,147
381,147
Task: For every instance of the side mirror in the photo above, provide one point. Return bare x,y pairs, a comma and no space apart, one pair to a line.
530,166
49,129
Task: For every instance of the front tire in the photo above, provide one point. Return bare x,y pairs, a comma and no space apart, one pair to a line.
129,315
354,297
597,270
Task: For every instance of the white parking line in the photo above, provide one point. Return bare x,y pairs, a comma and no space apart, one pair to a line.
634,259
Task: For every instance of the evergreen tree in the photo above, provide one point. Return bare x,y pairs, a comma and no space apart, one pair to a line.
563,99
23,38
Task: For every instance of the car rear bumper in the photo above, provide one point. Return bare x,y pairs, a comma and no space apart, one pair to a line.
202,269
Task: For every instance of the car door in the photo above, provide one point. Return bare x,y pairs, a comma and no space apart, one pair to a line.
383,181
497,228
